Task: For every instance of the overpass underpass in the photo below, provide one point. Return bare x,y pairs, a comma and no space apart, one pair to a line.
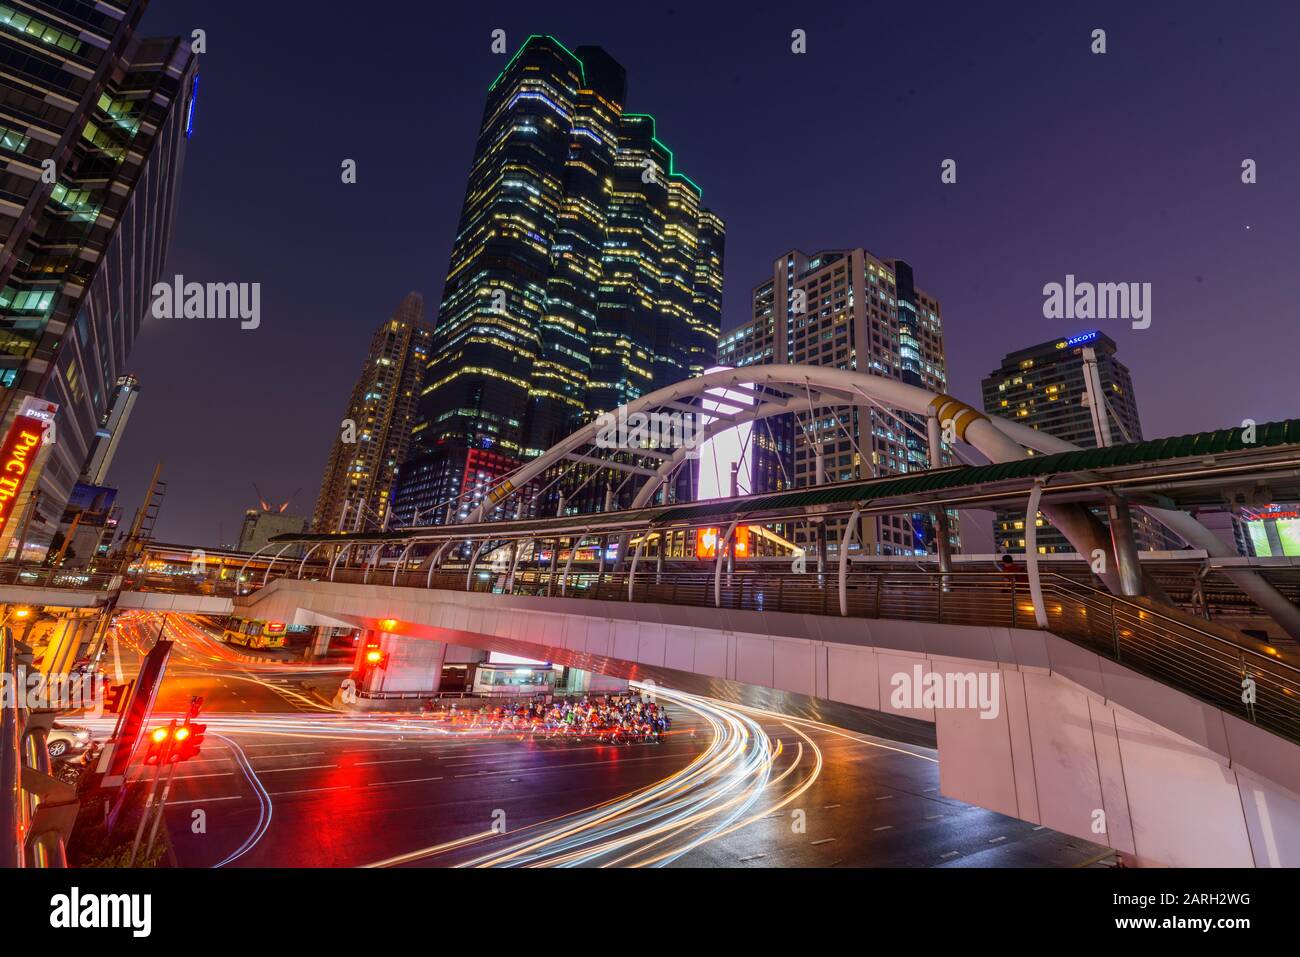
1119,718
1067,737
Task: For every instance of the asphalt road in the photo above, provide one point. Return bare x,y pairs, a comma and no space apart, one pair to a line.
284,781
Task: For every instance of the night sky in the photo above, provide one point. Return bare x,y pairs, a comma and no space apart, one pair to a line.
1122,167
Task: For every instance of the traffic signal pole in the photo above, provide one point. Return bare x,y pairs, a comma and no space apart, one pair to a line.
174,744
162,807
153,788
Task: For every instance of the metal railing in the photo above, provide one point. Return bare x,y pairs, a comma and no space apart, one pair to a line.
1213,663
39,576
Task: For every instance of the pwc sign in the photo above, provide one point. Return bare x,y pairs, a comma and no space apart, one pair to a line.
17,455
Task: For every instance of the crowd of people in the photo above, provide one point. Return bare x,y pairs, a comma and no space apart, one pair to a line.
617,719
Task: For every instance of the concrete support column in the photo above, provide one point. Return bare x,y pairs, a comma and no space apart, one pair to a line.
320,644
412,672
1125,546
61,649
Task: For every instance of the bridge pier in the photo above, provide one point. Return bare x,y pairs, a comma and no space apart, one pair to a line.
410,673
320,644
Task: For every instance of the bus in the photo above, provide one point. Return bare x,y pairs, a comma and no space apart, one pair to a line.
254,633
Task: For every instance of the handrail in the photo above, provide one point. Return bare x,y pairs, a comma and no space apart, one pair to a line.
1231,671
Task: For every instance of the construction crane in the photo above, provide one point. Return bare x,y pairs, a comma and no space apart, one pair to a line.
267,506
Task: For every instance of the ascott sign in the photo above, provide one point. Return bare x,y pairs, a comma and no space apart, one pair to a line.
19,451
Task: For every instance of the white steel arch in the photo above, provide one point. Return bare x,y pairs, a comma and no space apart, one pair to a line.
782,388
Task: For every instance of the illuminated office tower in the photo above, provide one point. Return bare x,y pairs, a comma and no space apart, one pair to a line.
111,427
585,272
1043,387
848,309
93,127
375,433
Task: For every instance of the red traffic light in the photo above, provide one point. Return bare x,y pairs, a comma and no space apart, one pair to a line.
188,740
157,749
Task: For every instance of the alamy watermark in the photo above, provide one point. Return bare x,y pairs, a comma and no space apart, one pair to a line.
40,692
947,690
179,299
74,909
1101,300
649,430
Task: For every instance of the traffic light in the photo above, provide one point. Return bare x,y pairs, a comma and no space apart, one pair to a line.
115,697
188,740
376,658
158,745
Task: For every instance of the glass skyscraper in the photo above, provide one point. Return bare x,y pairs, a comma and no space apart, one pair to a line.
1043,387
847,309
585,272
93,126
375,435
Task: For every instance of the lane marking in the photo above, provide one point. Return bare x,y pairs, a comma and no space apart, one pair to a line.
362,764
309,767
214,774
824,840
380,784
233,797
340,787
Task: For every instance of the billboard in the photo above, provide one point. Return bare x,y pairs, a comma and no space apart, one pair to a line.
1275,531
94,502
17,458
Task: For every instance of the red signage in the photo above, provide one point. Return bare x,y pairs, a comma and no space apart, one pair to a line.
17,456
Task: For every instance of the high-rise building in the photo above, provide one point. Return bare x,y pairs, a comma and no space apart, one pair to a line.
848,309
1044,388
375,434
585,272
260,526
93,127
111,427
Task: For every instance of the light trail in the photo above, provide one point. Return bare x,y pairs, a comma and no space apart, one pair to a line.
265,806
730,785
744,774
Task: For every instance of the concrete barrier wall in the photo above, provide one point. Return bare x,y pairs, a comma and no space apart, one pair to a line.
1075,742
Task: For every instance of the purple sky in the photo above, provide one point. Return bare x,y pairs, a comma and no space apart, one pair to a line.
1123,167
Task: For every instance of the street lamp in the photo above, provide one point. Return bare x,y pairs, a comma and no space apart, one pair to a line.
20,612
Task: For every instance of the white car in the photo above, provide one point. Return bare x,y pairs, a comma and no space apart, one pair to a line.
63,741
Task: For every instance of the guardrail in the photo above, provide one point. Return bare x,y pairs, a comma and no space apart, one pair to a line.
1208,661
38,576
